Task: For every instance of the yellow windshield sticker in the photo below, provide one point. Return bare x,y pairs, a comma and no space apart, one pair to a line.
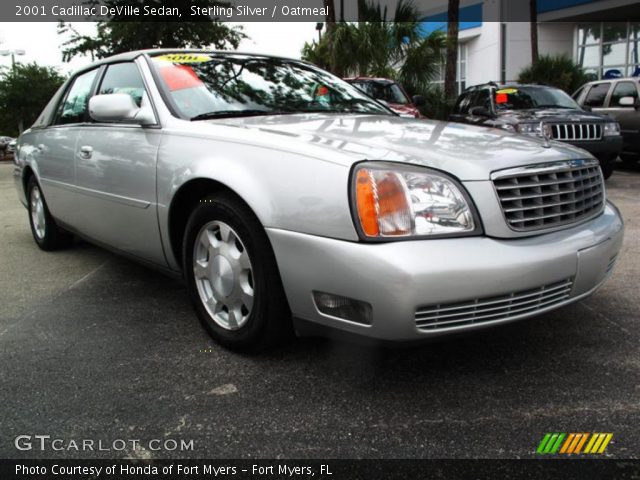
184,58
508,91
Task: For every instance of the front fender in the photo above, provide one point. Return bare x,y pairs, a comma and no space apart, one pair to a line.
285,190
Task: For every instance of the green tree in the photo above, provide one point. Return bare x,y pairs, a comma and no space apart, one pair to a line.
24,92
381,47
117,36
558,71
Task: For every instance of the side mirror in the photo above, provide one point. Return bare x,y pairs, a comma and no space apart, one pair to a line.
627,102
419,100
480,112
119,107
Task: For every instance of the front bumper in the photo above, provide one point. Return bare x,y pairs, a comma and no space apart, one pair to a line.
606,147
399,278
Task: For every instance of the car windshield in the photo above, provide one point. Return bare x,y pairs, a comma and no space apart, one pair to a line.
208,85
389,92
522,98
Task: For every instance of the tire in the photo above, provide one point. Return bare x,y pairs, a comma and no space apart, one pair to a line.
237,292
607,165
46,233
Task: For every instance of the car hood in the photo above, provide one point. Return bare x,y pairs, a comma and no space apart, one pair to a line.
551,115
465,151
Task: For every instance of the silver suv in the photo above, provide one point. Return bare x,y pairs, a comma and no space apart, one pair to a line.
619,99
280,192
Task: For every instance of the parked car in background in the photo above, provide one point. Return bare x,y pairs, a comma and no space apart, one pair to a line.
4,145
391,94
11,148
619,99
288,200
539,110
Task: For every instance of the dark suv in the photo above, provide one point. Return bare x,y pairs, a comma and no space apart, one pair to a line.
619,99
541,111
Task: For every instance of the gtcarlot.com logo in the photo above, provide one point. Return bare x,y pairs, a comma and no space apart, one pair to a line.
574,443
46,443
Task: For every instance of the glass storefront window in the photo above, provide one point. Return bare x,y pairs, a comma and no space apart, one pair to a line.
614,32
589,56
614,54
589,33
611,49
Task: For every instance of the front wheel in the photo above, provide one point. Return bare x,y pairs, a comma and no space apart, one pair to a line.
607,164
45,232
232,276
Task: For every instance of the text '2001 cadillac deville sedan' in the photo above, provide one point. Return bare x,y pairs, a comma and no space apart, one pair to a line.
289,200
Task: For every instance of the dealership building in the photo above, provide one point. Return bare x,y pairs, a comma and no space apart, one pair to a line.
495,37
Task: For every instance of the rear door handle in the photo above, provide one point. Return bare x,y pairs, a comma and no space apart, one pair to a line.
86,152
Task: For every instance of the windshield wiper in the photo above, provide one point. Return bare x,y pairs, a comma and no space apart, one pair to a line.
236,113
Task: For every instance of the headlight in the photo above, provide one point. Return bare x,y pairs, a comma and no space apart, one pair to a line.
611,129
508,127
528,128
399,201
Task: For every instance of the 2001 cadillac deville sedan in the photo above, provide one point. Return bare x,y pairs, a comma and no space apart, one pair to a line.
279,191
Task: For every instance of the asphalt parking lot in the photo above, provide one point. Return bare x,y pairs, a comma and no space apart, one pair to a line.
93,346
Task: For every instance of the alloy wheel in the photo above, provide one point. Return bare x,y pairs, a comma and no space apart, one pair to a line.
223,275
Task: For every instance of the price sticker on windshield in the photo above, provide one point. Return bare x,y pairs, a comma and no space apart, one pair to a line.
184,58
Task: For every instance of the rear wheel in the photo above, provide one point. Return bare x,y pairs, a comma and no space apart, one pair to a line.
233,277
45,232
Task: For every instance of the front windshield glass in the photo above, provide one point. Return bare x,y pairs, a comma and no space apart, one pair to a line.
204,85
522,98
389,92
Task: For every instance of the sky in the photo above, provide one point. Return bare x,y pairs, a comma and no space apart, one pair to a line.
42,44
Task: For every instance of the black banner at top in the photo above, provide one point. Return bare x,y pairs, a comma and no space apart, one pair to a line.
435,11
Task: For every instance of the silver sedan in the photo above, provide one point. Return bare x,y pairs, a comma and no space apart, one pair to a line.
289,201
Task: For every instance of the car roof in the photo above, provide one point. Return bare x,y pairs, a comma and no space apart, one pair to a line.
507,85
613,80
386,81
130,56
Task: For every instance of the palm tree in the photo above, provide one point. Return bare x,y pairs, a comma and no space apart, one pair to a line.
450,73
533,20
379,47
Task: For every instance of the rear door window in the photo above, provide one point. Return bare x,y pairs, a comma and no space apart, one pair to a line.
621,90
597,95
464,103
73,109
482,99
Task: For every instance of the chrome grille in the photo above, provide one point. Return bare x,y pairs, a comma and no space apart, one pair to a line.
576,131
541,197
494,308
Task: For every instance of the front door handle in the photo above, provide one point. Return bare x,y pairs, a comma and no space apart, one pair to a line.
86,152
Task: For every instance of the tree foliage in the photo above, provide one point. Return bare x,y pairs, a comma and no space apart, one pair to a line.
24,92
117,36
381,47
558,71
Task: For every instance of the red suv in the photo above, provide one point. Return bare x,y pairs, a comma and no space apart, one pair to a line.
391,94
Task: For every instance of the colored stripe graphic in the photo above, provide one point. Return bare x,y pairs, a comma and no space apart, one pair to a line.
581,443
550,443
598,443
572,443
